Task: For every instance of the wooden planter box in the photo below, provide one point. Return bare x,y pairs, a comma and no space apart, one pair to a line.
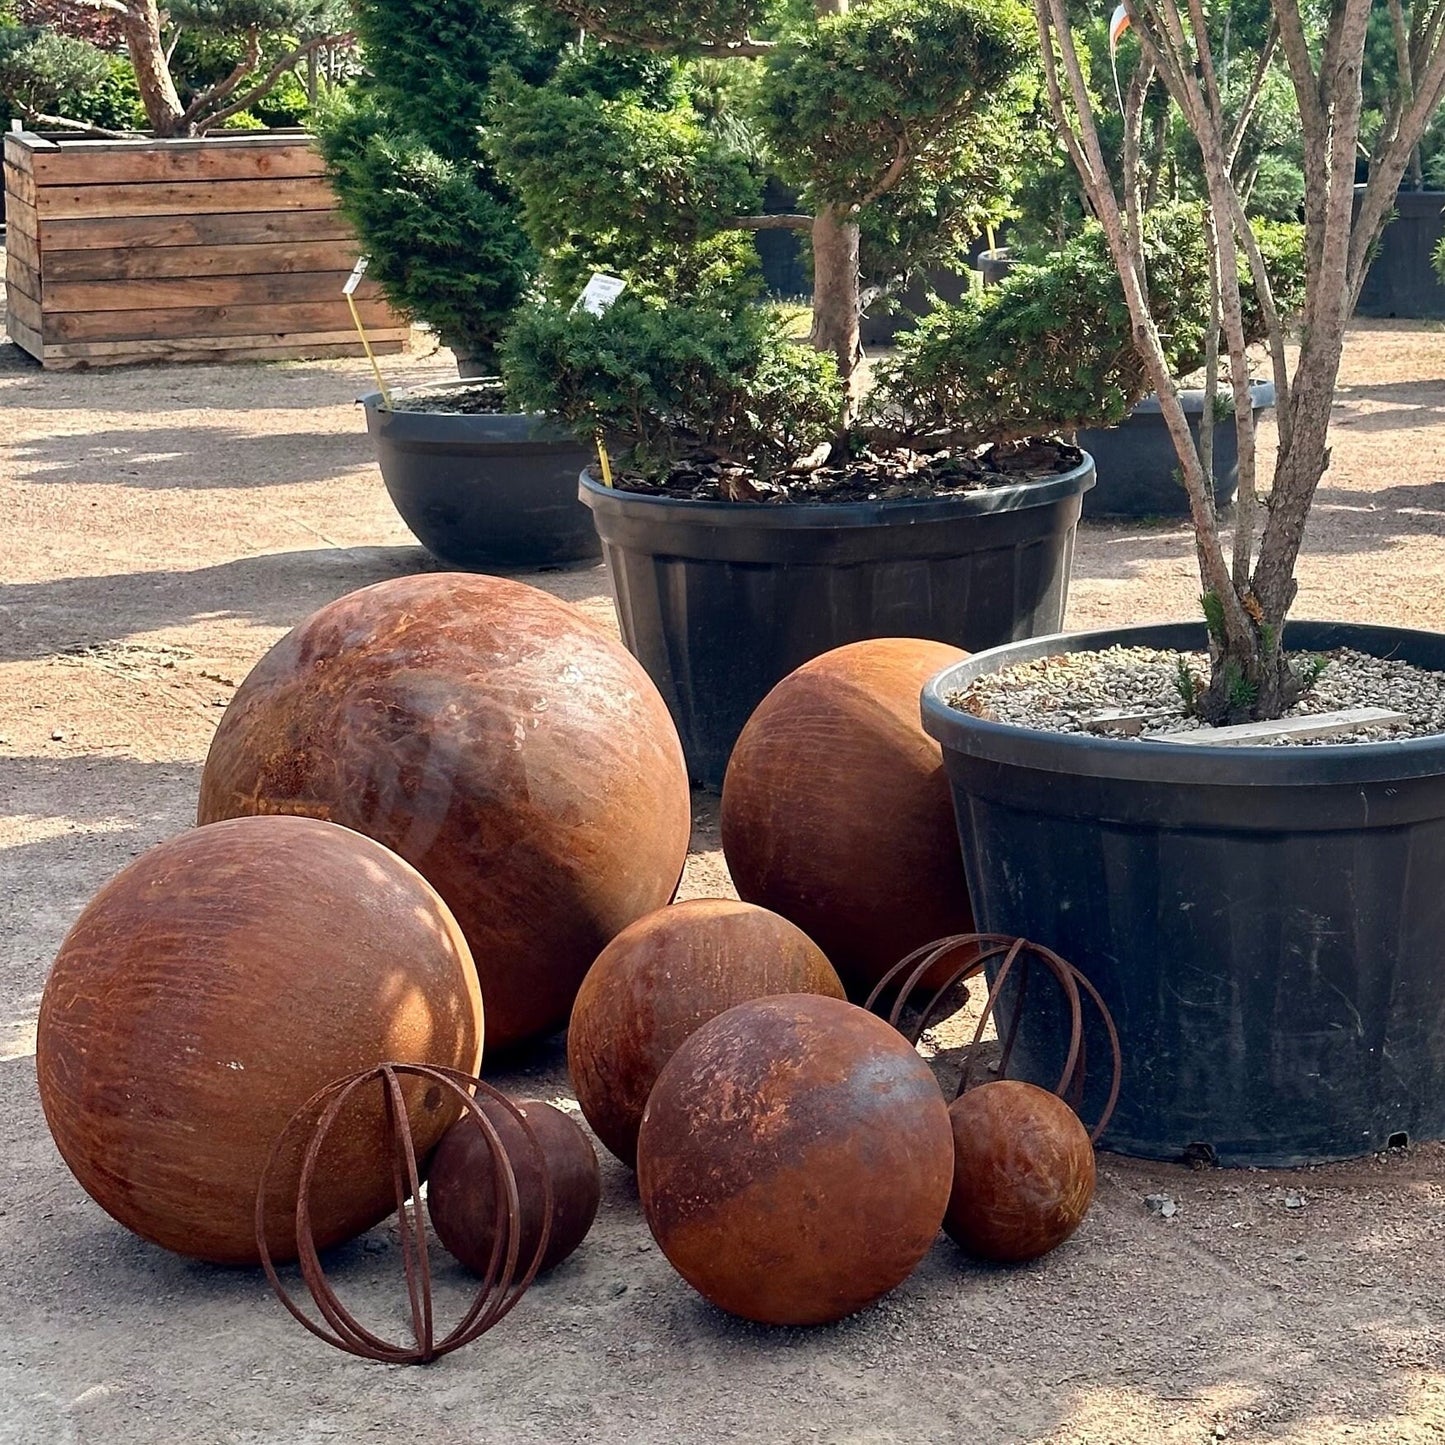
228,248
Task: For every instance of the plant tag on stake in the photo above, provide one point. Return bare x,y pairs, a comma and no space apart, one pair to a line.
599,294
357,272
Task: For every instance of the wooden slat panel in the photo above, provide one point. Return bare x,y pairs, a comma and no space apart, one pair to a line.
17,153
137,161
302,351
18,243
153,293
169,322
182,198
25,308
25,337
199,345
19,184
109,232
19,276
265,259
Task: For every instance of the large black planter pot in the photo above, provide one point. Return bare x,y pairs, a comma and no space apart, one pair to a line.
720,601
1138,466
1266,924
1401,280
484,492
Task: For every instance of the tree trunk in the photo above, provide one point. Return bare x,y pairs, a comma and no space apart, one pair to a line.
835,294
141,25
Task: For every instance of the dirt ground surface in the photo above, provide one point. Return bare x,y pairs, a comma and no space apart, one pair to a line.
162,528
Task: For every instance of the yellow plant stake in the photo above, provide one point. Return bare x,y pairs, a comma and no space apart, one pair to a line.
605,460
349,291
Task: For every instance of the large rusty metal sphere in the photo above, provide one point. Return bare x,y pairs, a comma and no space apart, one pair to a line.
210,990
1023,1172
795,1159
498,741
461,1186
836,812
658,982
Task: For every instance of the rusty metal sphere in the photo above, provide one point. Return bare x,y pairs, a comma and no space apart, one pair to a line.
210,989
497,740
795,1160
461,1186
658,982
1023,1171
836,812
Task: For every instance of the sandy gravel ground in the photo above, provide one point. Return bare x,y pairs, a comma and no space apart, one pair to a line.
161,529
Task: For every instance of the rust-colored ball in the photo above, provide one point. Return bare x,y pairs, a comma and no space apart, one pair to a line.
497,740
462,1184
836,811
1023,1172
795,1160
658,982
209,990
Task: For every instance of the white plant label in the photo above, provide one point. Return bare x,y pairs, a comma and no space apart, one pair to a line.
599,293
354,280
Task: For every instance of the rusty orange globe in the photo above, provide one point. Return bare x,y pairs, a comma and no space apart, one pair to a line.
658,982
1023,1173
209,990
795,1160
498,741
836,811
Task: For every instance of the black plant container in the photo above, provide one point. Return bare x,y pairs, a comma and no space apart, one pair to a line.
1401,281
1266,924
1138,467
720,601
484,493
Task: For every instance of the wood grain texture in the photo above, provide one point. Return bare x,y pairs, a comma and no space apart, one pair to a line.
26,247
125,232
126,163
298,350
162,323
170,293
197,346
25,337
20,184
260,259
179,198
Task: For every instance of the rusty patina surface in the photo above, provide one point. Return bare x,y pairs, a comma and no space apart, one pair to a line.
658,982
795,1160
836,811
209,990
497,740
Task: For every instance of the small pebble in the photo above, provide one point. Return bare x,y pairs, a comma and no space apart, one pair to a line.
1162,1205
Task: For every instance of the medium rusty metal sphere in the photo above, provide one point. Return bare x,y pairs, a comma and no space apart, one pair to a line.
210,990
1023,1172
836,812
461,1186
498,741
658,982
795,1159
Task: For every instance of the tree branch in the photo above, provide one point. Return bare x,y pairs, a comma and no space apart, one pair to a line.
1251,98
771,223
269,82
222,88
890,178
63,122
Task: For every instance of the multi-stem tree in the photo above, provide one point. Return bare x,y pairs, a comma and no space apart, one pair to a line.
1248,593
909,104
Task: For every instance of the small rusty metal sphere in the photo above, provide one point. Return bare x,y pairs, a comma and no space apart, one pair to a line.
498,741
1023,1172
795,1160
658,982
836,812
210,990
461,1185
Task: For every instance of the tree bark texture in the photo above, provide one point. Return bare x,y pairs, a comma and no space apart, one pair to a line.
141,24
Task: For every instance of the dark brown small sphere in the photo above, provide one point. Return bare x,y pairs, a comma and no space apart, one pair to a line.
658,982
1023,1172
209,991
795,1160
836,811
498,741
461,1185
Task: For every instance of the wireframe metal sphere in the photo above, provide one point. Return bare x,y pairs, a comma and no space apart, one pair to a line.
1023,1172
795,1159
495,738
461,1188
658,982
836,811
212,988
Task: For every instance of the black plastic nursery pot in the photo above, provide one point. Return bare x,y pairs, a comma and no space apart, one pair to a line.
1138,466
720,601
484,492
1401,281
1267,924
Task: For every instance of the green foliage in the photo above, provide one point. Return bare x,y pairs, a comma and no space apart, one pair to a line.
236,17
891,81
40,69
680,28
1213,609
1186,685
1308,668
673,379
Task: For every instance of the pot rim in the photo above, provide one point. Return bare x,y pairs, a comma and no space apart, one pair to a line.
1016,497
1084,754
372,400
1262,395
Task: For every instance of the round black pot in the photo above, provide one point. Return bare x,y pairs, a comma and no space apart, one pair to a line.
720,601
1138,466
995,265
1401,280
484,492
1266,924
